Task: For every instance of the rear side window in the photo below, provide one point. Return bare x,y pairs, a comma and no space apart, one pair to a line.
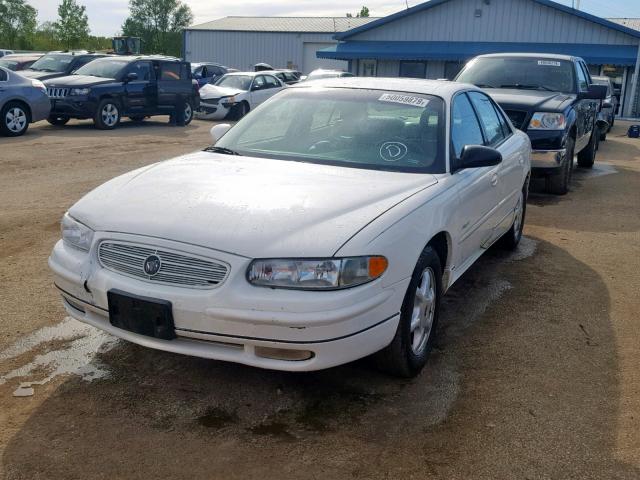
173,71
465,129
488,118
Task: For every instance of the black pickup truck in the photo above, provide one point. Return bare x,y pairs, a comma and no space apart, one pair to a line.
113,87
550,97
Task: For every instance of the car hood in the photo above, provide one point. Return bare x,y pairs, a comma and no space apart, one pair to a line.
252,207
530,100
77,81
37,75
213,91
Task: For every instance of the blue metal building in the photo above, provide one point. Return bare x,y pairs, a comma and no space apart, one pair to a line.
435,39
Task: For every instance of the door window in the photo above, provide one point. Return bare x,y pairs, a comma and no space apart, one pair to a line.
271,82
488,118
171,71
465,129
583,83
142,69
258,83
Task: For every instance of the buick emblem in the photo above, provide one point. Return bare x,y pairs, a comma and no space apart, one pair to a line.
152,265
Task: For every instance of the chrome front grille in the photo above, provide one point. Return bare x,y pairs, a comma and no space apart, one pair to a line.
55,92
175,268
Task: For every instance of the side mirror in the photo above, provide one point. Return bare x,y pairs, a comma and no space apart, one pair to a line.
476,156
131,77
218,131
607,105
595,92
255,87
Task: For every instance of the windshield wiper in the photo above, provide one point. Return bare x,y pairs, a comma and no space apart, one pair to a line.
485,85
226,151
527,87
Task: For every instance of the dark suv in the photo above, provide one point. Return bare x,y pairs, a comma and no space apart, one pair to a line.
59,64
113,87
550,97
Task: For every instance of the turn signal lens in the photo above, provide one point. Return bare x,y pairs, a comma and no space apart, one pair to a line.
377,266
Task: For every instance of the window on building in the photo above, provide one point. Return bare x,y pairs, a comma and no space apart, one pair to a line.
367,68
413,69
465,129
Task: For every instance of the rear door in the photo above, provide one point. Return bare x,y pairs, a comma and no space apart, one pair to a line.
141,94
174,81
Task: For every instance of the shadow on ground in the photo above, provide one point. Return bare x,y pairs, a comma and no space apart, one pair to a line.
522,384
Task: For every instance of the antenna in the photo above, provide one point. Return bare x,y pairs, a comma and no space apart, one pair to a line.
407,3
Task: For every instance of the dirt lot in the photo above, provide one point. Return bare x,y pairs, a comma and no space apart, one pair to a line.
536,374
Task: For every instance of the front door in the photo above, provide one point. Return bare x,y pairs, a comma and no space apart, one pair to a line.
141,93
259,91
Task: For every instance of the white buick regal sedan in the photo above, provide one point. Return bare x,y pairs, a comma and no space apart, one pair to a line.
323,227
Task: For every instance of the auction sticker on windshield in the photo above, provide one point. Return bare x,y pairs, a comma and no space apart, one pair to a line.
549,63
404,99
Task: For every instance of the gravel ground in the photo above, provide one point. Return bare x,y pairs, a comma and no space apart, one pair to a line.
536,374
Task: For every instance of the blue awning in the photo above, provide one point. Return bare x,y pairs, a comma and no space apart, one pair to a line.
623,55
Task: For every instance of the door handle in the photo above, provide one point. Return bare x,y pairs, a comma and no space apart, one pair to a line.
494,179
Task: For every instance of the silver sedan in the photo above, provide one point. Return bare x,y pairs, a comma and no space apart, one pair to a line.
22,101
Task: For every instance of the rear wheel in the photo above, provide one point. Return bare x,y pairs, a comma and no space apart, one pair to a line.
58,120
188,112
558,184
408,352
14,119
108,115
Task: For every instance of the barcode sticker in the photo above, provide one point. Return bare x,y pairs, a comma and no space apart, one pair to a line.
404,99
548,63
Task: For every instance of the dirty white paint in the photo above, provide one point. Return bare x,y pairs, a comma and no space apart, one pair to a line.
74,354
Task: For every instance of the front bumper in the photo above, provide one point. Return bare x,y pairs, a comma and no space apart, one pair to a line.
230,321
547,161
40,107
212,111
79,107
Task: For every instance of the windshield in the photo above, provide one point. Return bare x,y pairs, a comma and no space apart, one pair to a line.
11,65
370,129
524,73
240,82
52,63
103,67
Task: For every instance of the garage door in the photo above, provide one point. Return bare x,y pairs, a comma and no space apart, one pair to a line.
311,62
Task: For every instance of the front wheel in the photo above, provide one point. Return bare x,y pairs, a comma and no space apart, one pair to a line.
239,110
409,350
188,112
558,184
511,239
108,115
587,157
14,119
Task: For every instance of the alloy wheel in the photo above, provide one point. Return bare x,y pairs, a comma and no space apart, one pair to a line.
16,120
109,114
424,307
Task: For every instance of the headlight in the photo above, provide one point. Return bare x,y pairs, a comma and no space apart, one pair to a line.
75,233
80,91
547,121
316,274
228,100
39,85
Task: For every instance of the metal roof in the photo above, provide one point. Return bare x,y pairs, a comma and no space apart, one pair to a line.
633,23
285,24
462,51
434,3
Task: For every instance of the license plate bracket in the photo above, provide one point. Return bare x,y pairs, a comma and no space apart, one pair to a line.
151,317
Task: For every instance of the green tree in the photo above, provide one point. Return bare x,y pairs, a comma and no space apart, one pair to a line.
72,27
364,12
159,23
17,24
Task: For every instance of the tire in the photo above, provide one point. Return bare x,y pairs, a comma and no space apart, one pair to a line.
409,350
511,239
587,156
107,115
14,119
58,120
188,112
558,184
239,111
137,118
603,136
613,120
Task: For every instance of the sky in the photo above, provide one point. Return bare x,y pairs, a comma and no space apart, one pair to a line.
106,16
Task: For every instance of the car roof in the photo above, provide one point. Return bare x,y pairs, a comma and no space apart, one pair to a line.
22,56
197,64
133,58
251,74
440,88
554,56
